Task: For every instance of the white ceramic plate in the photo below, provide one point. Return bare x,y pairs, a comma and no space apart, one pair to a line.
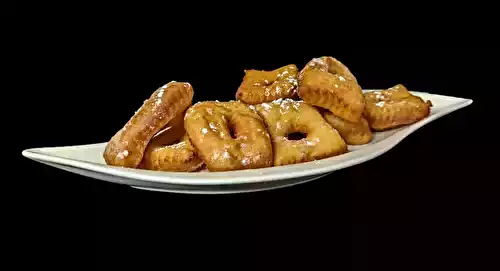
87,160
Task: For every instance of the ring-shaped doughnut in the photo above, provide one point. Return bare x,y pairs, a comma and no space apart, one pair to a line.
265,86
394,107
327,83
126,147
228,136
284,117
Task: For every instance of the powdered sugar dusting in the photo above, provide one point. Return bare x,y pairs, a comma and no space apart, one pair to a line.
277,101
379,95
213,126
167,84
244,161
122,155
380,104
159,95
285,106
317,62
293,81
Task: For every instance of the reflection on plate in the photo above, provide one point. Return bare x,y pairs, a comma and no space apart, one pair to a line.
87,160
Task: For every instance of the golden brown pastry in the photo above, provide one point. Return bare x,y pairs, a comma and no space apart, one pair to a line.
171,150
285,118
228,136
328,64
354,133
394,107
327,83
126,147
265,86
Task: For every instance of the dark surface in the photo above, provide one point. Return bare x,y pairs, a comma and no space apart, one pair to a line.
410,207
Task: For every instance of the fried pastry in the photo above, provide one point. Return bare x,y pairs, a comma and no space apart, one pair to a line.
330,65
327,83
171,150
265,86
354,133
285,118
228,136
126,147
394,107
280,117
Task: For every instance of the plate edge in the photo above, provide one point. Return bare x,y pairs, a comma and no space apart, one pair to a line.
37,156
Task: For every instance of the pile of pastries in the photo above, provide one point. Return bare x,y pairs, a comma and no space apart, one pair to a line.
279,117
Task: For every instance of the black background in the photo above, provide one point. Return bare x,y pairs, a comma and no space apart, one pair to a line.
423,204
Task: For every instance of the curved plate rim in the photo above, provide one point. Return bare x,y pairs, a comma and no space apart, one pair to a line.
256,175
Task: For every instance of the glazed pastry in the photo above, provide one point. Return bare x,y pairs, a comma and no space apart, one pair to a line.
265,86
330,65
171,150
394,107
325,82
228,136
281,117
354,133
126,147
286,119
